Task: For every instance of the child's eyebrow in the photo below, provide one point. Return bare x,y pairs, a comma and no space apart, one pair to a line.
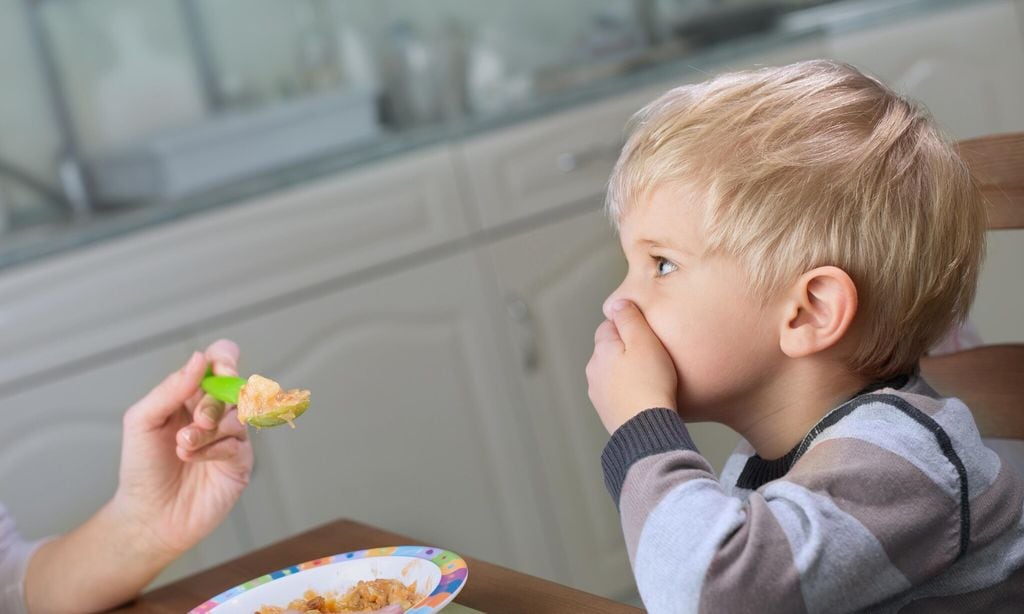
663,242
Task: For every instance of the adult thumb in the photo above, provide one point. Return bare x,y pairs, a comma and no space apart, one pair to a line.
170,395
630,322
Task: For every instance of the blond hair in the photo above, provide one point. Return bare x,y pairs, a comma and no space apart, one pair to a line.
817,164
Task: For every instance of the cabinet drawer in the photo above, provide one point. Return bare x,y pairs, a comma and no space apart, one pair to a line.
554,161
159,280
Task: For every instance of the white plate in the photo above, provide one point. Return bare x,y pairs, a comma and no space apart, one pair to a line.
439,575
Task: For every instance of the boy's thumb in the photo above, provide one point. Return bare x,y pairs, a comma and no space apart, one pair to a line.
629,321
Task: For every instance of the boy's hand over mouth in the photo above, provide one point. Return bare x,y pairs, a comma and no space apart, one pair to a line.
630,370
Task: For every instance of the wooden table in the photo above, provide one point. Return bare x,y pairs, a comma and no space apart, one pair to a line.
490,588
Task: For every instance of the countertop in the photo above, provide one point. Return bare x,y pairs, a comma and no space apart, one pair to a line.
65,233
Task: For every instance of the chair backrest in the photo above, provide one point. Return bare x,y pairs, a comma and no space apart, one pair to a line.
990,378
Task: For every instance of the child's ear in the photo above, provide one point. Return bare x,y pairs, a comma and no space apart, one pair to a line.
819,310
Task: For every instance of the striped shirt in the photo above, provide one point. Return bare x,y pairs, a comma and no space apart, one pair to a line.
892,503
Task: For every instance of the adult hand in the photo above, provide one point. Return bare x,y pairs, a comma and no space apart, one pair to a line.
185,458
630,370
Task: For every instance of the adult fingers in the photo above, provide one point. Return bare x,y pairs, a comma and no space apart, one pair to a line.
169,396
208,412
193,439
223,357
226,449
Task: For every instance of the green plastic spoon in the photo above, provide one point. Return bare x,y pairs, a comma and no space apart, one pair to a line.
225,388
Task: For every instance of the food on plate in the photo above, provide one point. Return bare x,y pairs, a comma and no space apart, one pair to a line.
262,402
365,596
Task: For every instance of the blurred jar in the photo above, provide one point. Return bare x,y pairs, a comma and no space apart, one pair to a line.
414,70
5,211
493,83
316,58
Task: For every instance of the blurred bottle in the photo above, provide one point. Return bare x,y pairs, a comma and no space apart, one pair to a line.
359,70
492,85
485,74
413,90
5,209
145,91
452,44
615,29
316,55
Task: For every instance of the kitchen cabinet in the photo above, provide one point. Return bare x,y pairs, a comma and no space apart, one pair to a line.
410,425
552,282
76,330
158,282
546,164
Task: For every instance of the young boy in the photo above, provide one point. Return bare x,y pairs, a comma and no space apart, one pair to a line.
797,238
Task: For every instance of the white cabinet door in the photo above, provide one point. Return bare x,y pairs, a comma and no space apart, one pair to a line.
61,443
966,64
410,427
553,281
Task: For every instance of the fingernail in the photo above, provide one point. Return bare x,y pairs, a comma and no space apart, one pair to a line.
189,437
213,409
619,305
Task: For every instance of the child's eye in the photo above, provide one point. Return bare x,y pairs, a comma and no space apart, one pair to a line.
663,266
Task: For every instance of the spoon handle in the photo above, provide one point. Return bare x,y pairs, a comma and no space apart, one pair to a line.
223,387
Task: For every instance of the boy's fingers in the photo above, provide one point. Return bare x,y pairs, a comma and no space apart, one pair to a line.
629,322
606,332
170,395
223,357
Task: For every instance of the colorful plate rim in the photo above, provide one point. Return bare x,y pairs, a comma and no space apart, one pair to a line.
454,573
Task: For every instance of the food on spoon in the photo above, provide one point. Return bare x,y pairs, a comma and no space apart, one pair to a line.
365,596
262,402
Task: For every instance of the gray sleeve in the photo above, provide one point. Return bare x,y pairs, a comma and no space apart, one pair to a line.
869,511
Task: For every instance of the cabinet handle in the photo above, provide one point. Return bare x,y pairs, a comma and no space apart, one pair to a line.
572,161
525,331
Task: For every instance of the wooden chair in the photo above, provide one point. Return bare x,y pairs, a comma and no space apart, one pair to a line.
990,379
